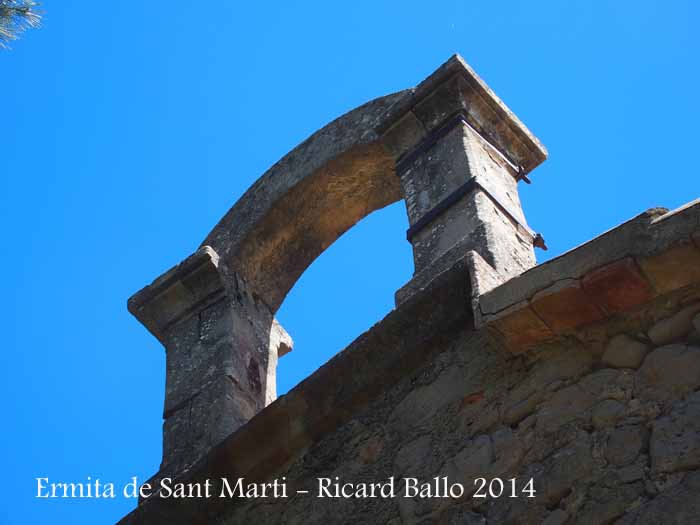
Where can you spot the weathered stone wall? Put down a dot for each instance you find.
(606, 432)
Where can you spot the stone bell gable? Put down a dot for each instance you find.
(580, 374)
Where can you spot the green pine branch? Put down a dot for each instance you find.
(15, 17)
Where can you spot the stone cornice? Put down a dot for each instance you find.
(455, 88)
(183, 290)
(653, 255)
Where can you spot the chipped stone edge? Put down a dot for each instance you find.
(641, 239)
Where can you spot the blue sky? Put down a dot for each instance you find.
(129, 128)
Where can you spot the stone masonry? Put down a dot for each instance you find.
(581, 374)
(222, 347)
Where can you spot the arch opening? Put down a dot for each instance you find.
(310, 217)
(214, 312)
(345, 291)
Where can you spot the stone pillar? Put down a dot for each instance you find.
(222, 346)
(460, 155)
(460, 193)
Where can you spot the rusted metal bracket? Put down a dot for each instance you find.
(521, 176)
(538, 242)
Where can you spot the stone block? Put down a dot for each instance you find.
(189, 432)
(176, 440)
(446, 100)
(562, 366)
(607, 413)
(615, 245)
(216, 322)
(476, 416)
(192, 369)
(618, 286)
(675, 328)
(420, 405)
(604, 504)
(454, 260)
(280, 341)
(675, 439)
(625, 443)
(474, 461)
(371, 450)
(510, 250)
(562, 470)
(411, 459)
(434, 174)
(565, 405)
(521, 328)
(633, 472)
(564, 306)
(556, 517)
(217, 411)
(482, 278)
(404, 135)
(679, 505)
(182, 291)
(508, 452)
(609, 383)
(624, 351)
(668, 373)
(519, 410)
(674, 268)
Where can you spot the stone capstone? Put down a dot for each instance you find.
(424, 402)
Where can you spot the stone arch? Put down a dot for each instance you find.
(307, 200)
(449, 147)
(348, 169)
